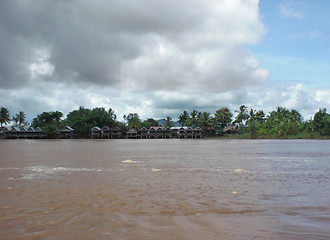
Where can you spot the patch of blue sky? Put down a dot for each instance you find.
(296, 45)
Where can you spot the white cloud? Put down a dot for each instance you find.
(160, 104)
(40, 65)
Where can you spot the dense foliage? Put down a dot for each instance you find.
(83, 119)
(248, 123)
(49, 122)
(4, 116)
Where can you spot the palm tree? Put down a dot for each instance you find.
(15, 119)
(184, 118)
(4, 116)
(222, 117)
(242, 115)
(168, 122)
(252, 123)
(21, 117)
(112, 114)
(260, 116)
(204, 121)
(193, 118)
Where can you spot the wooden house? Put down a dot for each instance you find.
(116, 132)
(106, 132)
(182, 132)
(144, 132)
(31, 132)
(132, 133)
(189, 132)
(39, 133)
(96, 132)
(152, 132)
(231, 129)
(156, 132)
(167, 133)
(198, 132)
(14, 132)
(23, 132)
(159, 132)
(66, 132)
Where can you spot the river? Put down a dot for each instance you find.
(164, 189)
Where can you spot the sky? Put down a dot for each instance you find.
(159, 58)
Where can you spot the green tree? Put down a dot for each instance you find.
(252, 124)
(222, 117)
(133, 121)
(47, 118)
(184, 119)
(283, 122)
(260, 116)
(15, 119)
(242, 115)
(49, 122)
(50, 130)
(19, 118)
(193, 120)
(294, 123)
(150, 122)
(322, 122)
(205, 121)
(83, 119)
(4, 116)
(101, 117)
(79, 120)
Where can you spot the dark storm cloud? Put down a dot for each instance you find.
(86, 41)
(143, 45)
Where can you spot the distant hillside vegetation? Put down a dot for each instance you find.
(161, 122)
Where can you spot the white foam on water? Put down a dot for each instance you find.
(156, 169)
(128, 161)
(45, 171)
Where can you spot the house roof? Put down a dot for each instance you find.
(23, 129)
(96, 128)
(5, 129)
(66, 129)
(38, 129)
(156, 128)
(106, 128)
(69, 128)
(31, 129)
(15, 129)
(132, 130)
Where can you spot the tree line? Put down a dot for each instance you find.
(247, 123)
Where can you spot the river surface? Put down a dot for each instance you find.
(165, 189)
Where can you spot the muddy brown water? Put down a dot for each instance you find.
(165, 189)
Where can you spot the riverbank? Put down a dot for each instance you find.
(247, 136)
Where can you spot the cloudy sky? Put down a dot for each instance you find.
(158, 58)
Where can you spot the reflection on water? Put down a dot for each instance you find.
(164, 189)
